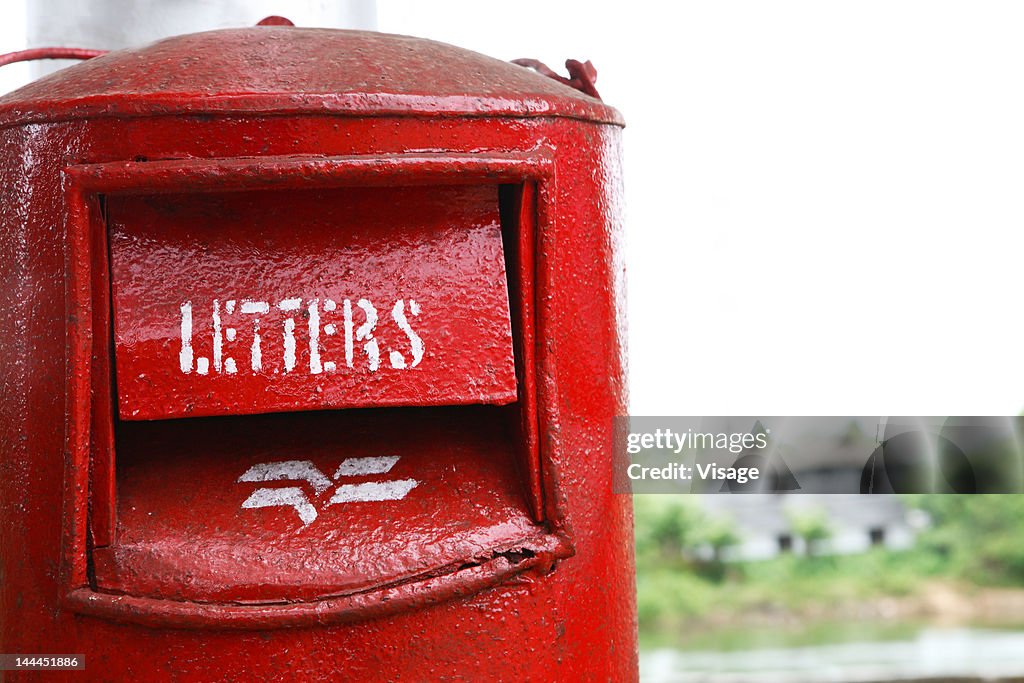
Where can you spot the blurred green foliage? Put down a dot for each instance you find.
(980, 538)
(683, 572)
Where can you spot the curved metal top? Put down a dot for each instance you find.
(287, 70)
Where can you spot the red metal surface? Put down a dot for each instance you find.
(440, 116)
(287, 70)
(275, 20)
(521, 206)
(582, 75)
(49, 53)
(184, 534)
(255, 302)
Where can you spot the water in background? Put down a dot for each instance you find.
(833, 653)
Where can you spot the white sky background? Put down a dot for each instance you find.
(825, 199)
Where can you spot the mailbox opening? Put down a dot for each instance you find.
(307, 505)
(212, 482)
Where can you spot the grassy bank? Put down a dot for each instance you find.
(787, 584)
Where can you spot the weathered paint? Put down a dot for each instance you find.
(511, 559)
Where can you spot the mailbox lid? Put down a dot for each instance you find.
(289, 70)
(257, 302)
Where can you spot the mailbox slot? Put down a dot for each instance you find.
(314, 458)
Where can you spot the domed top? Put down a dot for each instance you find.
(283, 69)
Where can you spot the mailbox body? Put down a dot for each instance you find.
(515, 558)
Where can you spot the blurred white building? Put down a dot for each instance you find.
(856, 523)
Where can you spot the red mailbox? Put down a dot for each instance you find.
(312, 345)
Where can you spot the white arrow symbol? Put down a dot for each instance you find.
(305, 470)
(354, 467)
(371, 491)
(288, 469)
(290, 496)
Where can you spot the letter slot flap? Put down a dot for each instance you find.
(257, 302)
